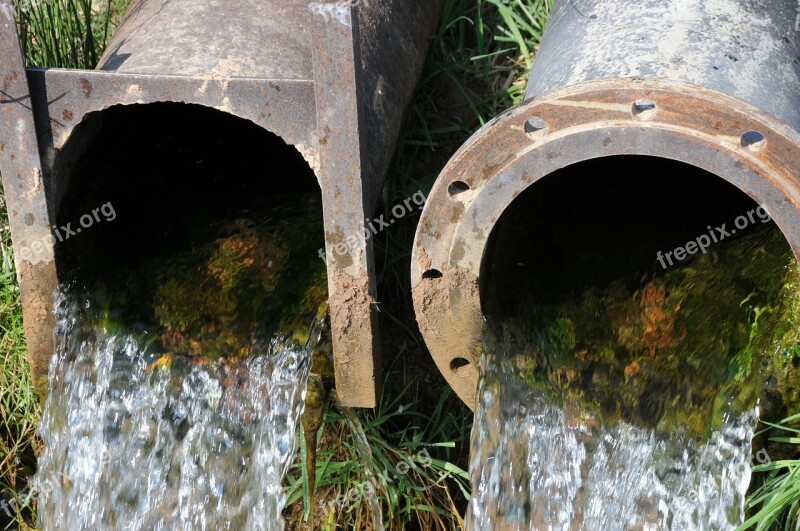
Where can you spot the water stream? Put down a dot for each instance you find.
(538, 466)
(134, 443)
(633, 406)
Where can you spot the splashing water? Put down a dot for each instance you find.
(130, 444)
(537, 466)
(634, 405)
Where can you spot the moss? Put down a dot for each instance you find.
(232, 284)
(673, 349)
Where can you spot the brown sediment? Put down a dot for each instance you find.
(446, 309)
(353, 332)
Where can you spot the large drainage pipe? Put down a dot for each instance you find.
(713, 85)
(331, 79)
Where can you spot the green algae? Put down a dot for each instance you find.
(675, 349)
(233, 283)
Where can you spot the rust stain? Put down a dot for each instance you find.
(658, 318)
(67, 114)
(355, 363)
(457, 212)
(86, 87)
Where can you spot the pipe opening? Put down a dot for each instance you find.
(169, 195)
(644, 288)
(591, 223)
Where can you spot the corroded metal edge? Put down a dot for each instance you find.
(691, 124)
(367, 59)
(24, 194)
(352, 289)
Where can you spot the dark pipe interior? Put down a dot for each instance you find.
(572, 270)
(604, 219)
(167, 169)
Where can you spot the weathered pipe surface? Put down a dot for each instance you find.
(333, 79)
(714, 84)
(747, 50)
(22, 182)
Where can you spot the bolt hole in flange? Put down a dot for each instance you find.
(457, 187)
(535, 128)
(458, 363)
(754, 141)
(432, 273)
(644, 109)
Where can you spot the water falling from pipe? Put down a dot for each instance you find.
(133, 444)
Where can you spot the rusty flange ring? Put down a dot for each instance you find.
(731, 139)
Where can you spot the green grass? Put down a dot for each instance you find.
(776, 503)
(66, 33)
(19, 406)
(407, 464)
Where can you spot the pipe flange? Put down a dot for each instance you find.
(755, 152)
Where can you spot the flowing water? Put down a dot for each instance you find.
(538, 466)
(634, 406)
(181, 368)
(131, 443)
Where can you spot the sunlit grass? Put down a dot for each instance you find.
(776, 503)
(408, 467)
(66, 33)
(19, 406)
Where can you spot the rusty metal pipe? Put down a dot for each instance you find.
(331, 78)
(715, 85)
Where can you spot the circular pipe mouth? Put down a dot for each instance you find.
(705, 133)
